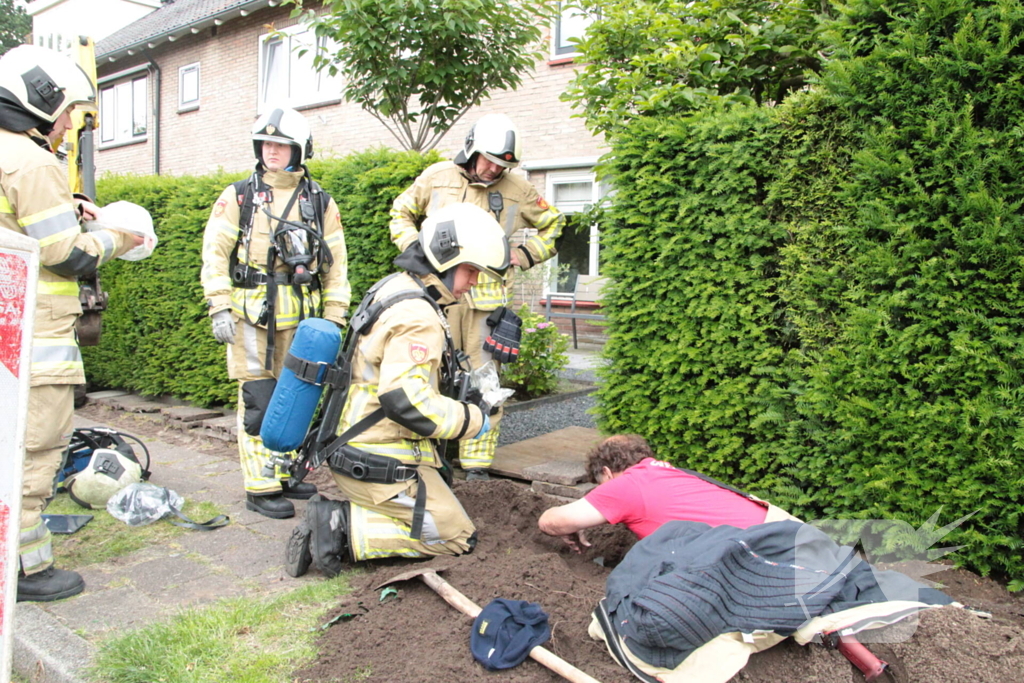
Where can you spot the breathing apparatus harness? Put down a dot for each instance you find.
(297, 244)
(321, 445)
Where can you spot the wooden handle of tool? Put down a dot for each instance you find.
(540, 654)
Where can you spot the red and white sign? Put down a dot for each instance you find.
(19, 268)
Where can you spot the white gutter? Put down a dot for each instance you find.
(218, 19)
(569, 162)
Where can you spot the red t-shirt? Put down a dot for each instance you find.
(652, 492)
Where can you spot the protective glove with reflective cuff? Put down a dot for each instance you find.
(223, 327)
(503, 341)
(486, 428)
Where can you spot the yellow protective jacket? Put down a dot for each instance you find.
(397, 366)
(223, 232)
(446, 183)
(35, 200)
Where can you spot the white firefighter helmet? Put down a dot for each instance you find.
(496, 137)
(108, 472)
(37, 85)
(465, 233)
(287, 127)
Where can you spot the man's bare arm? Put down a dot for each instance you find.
(570, 518)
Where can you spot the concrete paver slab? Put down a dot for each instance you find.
(99, 613)
(570, 444)
(190, 414)
(561, 491)
(200, 591)
(157, 576)
(133, 404)
(565, 472)
(98, 396)
(222, 428)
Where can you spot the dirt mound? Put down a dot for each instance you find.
(416, 637)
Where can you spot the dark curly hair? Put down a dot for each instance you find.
(618, 453)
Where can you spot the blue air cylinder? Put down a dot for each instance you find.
(294, 400)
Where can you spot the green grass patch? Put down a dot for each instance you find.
(240, 640)
(105, 538)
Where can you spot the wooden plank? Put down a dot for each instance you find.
(570, 444)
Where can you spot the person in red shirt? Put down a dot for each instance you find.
(643, 493)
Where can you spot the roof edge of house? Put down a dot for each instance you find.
(216, 19)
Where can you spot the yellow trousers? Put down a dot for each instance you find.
(469, 330)
(47, 434)
(246, 359)
(380, 521)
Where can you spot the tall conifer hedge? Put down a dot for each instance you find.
(822, 303)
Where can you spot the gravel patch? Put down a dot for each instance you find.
(543, 419)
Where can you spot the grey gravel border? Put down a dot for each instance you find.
(543, 400)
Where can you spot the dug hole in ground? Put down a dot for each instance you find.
(416, 637)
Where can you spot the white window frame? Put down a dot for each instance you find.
(569, 19)
(288, 41)
(555, 178)
(121, 100)
(183, 72)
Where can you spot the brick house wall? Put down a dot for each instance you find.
(215, 135)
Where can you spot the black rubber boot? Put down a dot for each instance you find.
(477, 474)
(273, 505)
(328, 524)
(298, 490)
(49, 584)
(297, 557)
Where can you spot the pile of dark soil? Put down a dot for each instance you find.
(416, 637)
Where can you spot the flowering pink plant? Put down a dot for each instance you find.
(541, 357)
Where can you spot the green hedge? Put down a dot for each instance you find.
(822, 303)
(693, 337)
(156, 333)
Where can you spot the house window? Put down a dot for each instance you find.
(571, 24)
(188, 87)
(288, 78)
(574, 192)
(123, 112)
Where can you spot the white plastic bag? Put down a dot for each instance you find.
(142, 504)
(485, 378)
(127, 217)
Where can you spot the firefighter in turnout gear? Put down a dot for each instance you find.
(480, 175)
(403, 364)
(38, 89)
(273, 254)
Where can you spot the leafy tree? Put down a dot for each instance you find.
(418, 65)
(15, 24)
(651, 57)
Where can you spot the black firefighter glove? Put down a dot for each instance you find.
(503, 341)
(475, 397)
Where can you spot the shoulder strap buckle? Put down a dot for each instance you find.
(313, 373)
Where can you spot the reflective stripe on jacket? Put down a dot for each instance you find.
(397, 366)
(446, 183)
(35, 201)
